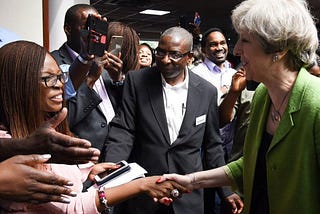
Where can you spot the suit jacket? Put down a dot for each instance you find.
(140, 134)
(293, 158)
(62, 55)
(86, 119)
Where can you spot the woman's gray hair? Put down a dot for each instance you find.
(280, 25)
(179, 32)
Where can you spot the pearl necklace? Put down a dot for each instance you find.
(275, 113)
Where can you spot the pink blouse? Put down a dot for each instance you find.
(84, 202)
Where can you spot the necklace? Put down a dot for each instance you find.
(275, 113)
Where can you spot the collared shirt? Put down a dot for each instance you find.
(69, 89)
(175, 99)
(72, 53)
(219, 78)
(68, 86)
(105, 105)
(215, 75)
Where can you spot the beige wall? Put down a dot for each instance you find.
(23, 17)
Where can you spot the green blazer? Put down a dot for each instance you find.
(293, 159)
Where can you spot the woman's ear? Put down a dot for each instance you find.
(281, 54)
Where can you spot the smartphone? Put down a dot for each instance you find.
(108, 175)
(97, 38)
(115, 45)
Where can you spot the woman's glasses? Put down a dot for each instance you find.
(52, 80)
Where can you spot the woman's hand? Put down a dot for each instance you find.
(183, 180)
(161, 190)
(114, 67)
(101, 167)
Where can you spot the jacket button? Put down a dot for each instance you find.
(103, 125)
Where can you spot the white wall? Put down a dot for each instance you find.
(57, 11)
(24, 17)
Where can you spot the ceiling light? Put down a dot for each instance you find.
(154, 12)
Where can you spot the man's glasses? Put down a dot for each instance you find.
(175, 56)
(52, 80)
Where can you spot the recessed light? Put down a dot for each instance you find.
(154, 12)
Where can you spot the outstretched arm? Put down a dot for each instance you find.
(205, 179)
(147, 185)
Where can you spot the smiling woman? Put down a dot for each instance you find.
(25, 71)
(51, 87)
(31, 92)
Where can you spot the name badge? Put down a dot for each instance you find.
(201, 119)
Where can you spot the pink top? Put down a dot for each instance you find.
(84, 202)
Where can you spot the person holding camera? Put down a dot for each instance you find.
(43, 84)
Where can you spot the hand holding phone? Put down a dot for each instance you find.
(108, 175)
(97, 38)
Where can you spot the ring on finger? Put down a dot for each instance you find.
(175, 193)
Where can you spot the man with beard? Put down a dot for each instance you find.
(168, 123)
(218, 71)
(215, 67)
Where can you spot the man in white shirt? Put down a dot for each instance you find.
(218, 71)
(215, 68)
(168, 123)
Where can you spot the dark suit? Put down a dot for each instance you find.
(140, 134)
(86, 119)
(62, 55)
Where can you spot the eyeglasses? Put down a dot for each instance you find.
(52, 80)
(175, 56)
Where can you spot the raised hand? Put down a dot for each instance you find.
(114, 67)
(20, 181)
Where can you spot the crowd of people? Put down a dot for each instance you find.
(210, 141)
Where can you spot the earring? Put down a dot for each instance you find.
(275, 58)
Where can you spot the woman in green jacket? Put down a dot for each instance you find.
(280, 168)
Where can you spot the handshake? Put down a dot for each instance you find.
(203, 179)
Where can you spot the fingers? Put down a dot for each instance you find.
(181, 188)
(44, 198)
(115, 62)
(42, 193)
(165, 177)
(235, 202)
(165, 200)
(31, 160)
(51, 182)
(75, 155)
(240, 205)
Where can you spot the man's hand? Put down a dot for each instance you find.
(20, 181)
(63, 148)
